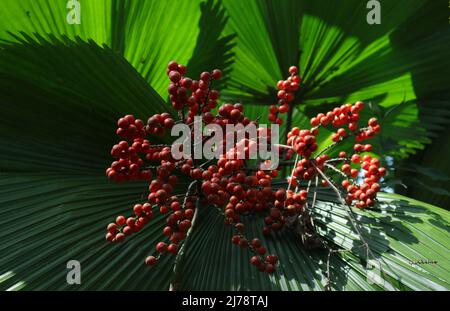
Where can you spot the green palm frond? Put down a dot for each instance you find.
(343, 59)
(400, 232)
(148, 34)
(62, 88)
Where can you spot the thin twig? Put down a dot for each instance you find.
(349, 212)
(283, 146)
(336, 170)
(188, 192)
(292, 174)
(328, 282)
(314, 199)
(174, 284)
(338, 160)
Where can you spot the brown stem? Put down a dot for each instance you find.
(174, 284)
(288, 129)
(348, 210)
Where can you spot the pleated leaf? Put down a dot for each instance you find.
(148, 34)
(59, 104)
(60, 98)
(344, 59)
(399, 231)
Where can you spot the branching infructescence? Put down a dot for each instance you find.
(228, 182)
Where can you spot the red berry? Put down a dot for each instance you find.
(120, 237)
(358, 147)
(346, 168)
(255, 260)
(186, 82)
(167, 231)
(240, 227)
(376, 187)
(130, 221)
(335, 137)
(235, 114)
(151, 261)
(123, 123)
(352, 126)
(161, 194)
(169, 123)
(112, 228)
(109, 237)
(280, 195)
(356, 158)
(243, 243)
(161, 247)
(359, 105)
(137, 209)
(373, 122)
(270, 268)
(174, 76)
(205, 76)
(262, 250)
(173, 249)
(127, 230)
(256, 243)
(172, 65)
(272, 259)
(216, 74)
(281, 94)
(367, 148)
(182, 69)
(293, 70)
(284, 108)
(196, 173)
(120, 220)
(315, 121)
(235, 239)
(345, 183)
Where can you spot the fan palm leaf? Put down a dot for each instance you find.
(63, 86)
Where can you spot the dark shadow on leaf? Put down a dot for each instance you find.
(213, 49)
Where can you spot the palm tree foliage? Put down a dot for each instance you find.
(64, 86)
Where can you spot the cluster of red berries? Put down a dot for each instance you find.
(122, 227)
(303, 141)
(373, 129)
(158, 123)
(231, 114)
(346, 114)
(366, 192)
(229, 183)
(264, 264)
(128, 165)
(197, 95)
(130, 128)
(286, 91)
